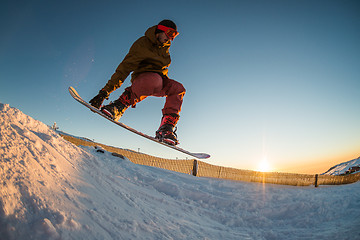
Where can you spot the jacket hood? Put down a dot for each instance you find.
(150, 34)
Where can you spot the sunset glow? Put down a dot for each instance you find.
(264, 166)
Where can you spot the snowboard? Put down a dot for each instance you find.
(77, 97)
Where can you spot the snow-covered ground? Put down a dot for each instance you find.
(343, 167)
(51, 189)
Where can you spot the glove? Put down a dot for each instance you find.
(99, 99)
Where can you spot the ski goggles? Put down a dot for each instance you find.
(170, 32)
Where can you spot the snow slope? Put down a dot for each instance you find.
(51, 189)
(343, 167)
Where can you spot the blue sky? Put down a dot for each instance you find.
(275, 80)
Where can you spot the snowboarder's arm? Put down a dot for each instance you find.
(129, 64)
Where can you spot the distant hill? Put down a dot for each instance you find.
(349, 167)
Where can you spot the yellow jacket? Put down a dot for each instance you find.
(147, 54)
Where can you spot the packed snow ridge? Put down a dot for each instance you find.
(52, 189)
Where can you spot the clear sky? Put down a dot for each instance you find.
(275, 80)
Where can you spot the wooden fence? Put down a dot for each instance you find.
(202, 169)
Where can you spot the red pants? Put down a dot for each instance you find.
(152, 84)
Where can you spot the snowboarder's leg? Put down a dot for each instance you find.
(144, 85)
(174, 92)
(152, 84)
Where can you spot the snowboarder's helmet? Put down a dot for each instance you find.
(168, 23)
(169, 27)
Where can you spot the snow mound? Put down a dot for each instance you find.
(344, 167)
(51, 189)
(38, 170)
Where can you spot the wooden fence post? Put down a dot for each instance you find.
(195, 168)
(316, 180)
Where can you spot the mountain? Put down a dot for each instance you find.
(52, 189)
(351, 166)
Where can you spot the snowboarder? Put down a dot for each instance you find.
(148, 59)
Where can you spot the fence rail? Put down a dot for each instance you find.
(202, 169)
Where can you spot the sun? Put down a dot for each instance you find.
(263, 165)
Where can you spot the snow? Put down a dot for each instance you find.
(343, 167)
(52, 189)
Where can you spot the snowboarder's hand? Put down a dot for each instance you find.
(99, 99)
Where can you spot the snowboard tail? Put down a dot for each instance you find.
(77, 97)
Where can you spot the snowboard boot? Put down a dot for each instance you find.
(167, 130)
(117, 108)
(114, 110)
